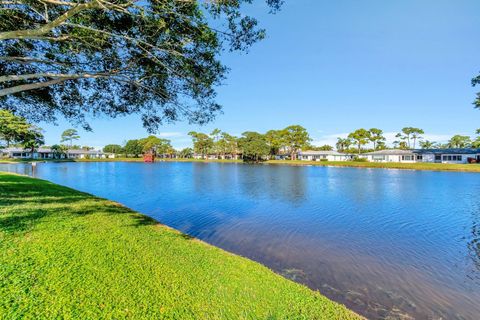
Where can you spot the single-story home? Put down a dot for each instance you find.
(423, 155)
(310, 155)
(452, 155)
(47, 153)
(392, 155)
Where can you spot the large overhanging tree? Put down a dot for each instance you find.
(157, 58)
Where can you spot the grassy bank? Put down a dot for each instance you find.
(67, 254)
(387, 165)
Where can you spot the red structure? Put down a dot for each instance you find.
(148, 157)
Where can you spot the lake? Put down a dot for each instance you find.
(386, 243)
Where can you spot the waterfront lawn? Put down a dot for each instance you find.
(474, 167)
(67, 254)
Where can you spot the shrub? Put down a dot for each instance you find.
(323, 159)
(358, 159)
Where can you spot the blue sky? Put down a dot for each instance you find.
(334, 66)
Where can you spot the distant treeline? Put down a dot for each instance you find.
(285, 142)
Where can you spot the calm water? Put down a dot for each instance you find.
(387, 243)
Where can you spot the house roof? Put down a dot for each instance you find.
(47, 150)
(449, 151)
(322, 152)
(390, 152)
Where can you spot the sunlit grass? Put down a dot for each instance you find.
(69, 255)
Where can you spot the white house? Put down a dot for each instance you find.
(423, 155)
(47, 153)
(448, 155)
(324, 156)
(392, 155)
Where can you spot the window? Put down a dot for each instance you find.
(453, 158)
(378, 158)
(438, 157)
(407, 158)
(419, 157)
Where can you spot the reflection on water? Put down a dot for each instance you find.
(387, 243)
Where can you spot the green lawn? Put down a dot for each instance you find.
(387, 165)
(70, 255)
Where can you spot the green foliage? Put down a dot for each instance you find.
(133, 147)
(459, 141)
(202, 143)
(13, 129)
(254, 146)
(343, 144)
(325, 147)
(475, 82)
(113, 148)
(428, 144)
(159, 59)
(275, 140)
(360, 137)
(409, 135)
(58, 150)
(376, 137)
(70, 255)
(33, 139)
(359, 159)
(69, 135)
(155, 145)
(295, 138)
(186, 153)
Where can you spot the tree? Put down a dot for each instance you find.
(133, 147)
(254, 146)
(155, 145)
(113, 148)
(376, 137)
(58, 150)
(202, 143)
(186, 153)
(295, 138)
(115, 57)
(216, 134)
(428, 144)
(343, 144)
(12, 128)
(33, 139)
(325, 147)
(476, 81)
(226, 144)
(360, 137)
(410, 134)
(70, 135)
(459, 141)
(476, 142)
(275, 140)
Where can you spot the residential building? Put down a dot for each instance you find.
(47, 153)
(310, 155)
(424, 155)
(393, 155)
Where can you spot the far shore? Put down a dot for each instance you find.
(355, 164)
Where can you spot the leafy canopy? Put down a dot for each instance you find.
(156, 58)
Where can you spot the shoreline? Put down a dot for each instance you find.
(121, 263)
(421, 166)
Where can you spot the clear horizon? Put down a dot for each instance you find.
(337, 67)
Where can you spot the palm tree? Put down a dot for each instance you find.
(343, 144)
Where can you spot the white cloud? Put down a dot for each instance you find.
(170, 134)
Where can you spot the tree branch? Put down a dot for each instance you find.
(46, 28)
(53, 75)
